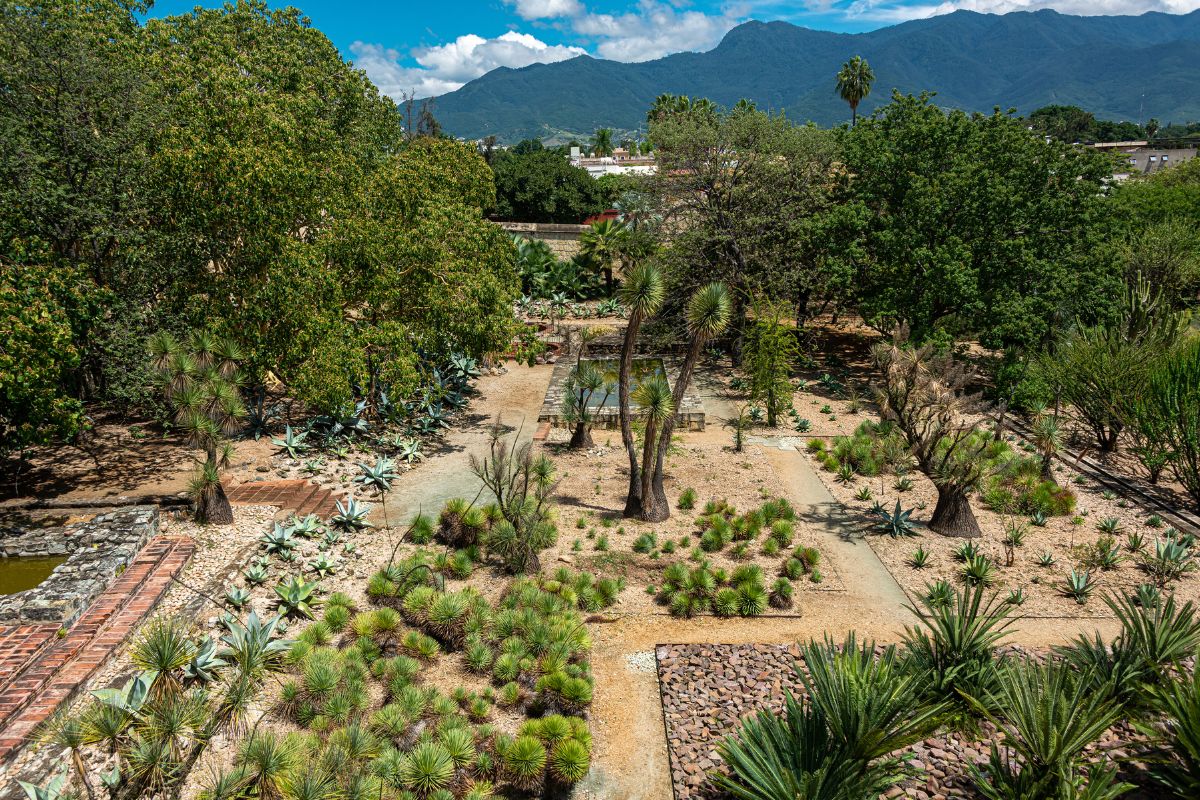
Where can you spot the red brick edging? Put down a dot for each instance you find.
(42, 671)
(298, 495)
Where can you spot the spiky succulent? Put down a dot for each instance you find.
(351, 516)
(204, 664)
(297, 597)
(292, 443)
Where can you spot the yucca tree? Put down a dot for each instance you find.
(854, 81)
(70, 732)
(642, 293)
(654, 399)
(1048, 439)
(201, 384)
(584, 385)
(603, 244)
(708, 313)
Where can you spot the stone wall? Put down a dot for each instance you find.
(563, 239)
(100, 549)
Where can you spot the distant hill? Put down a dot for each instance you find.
(1118, 68)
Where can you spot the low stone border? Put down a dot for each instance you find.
(691, 410)
(99, 550)
(708, 688)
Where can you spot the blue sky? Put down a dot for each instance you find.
(433, 47)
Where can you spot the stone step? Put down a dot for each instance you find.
(64, 668)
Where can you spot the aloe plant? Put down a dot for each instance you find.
(292, 443)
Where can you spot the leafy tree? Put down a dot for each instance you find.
(936, 194)
(750, 187)
(1101, 369)
(201, 383)
(1168, 413)
(771, 354)
(1167, 255)
(542, 186)
(1170, 194)
(854, 81)
(40, 307)
(924, 394)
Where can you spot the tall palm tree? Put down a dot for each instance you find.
(708, 313)
(854, 84)
(642, 293)
(602, 143)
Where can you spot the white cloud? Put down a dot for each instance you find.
(653, 30)
(546, 9)
(884, 11)
(446, 67)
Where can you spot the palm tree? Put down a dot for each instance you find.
(201, 385)
(1151, 128)
(602, 144)
(602, 243)
(642, 293)
(854, 83)
(708, 314)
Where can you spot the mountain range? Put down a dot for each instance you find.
(1117, 67)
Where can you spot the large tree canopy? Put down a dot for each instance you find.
(973, 224)
(535, 184)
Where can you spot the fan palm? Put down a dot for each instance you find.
(603, 244)
(854, 84)
(642, 292)
(602, 142)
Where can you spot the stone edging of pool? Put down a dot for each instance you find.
(97, 551)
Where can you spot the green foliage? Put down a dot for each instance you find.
(534, 184)
(896, 524)
(770, 353)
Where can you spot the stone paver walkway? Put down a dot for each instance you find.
(44, 671)
(300, 496)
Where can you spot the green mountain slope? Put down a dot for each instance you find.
(1117, 67)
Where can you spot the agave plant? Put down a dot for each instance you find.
(307, 527)
(238, 597)
(1171, 560)
(1079, 586)
(351, 516)
(896, 524)
(408, 450)
(252, 645)
(978, 571)
(292, 443)
(278, 540)
(205, 663)
(919, 558)
(378, 477)
(297, 597)
(323, 565)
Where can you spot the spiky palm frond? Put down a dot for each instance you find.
(642, 290)
(709, 311)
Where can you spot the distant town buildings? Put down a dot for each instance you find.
(1143, 158)
(619, 163)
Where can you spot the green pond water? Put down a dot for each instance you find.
(19, 574)
(640, 370)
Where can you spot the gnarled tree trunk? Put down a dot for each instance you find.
(214, 509)
(581, 438)
(952, 516)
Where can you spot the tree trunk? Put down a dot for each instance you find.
(582, 437)
(952, 516)
(633, 499)
(214, 508)
(654, 506)
(1048, 468)
(668, 428)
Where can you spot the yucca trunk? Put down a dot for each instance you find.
(655, 469)
(633, 500)
(952, 516)
(654, 507)
(581, 437)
